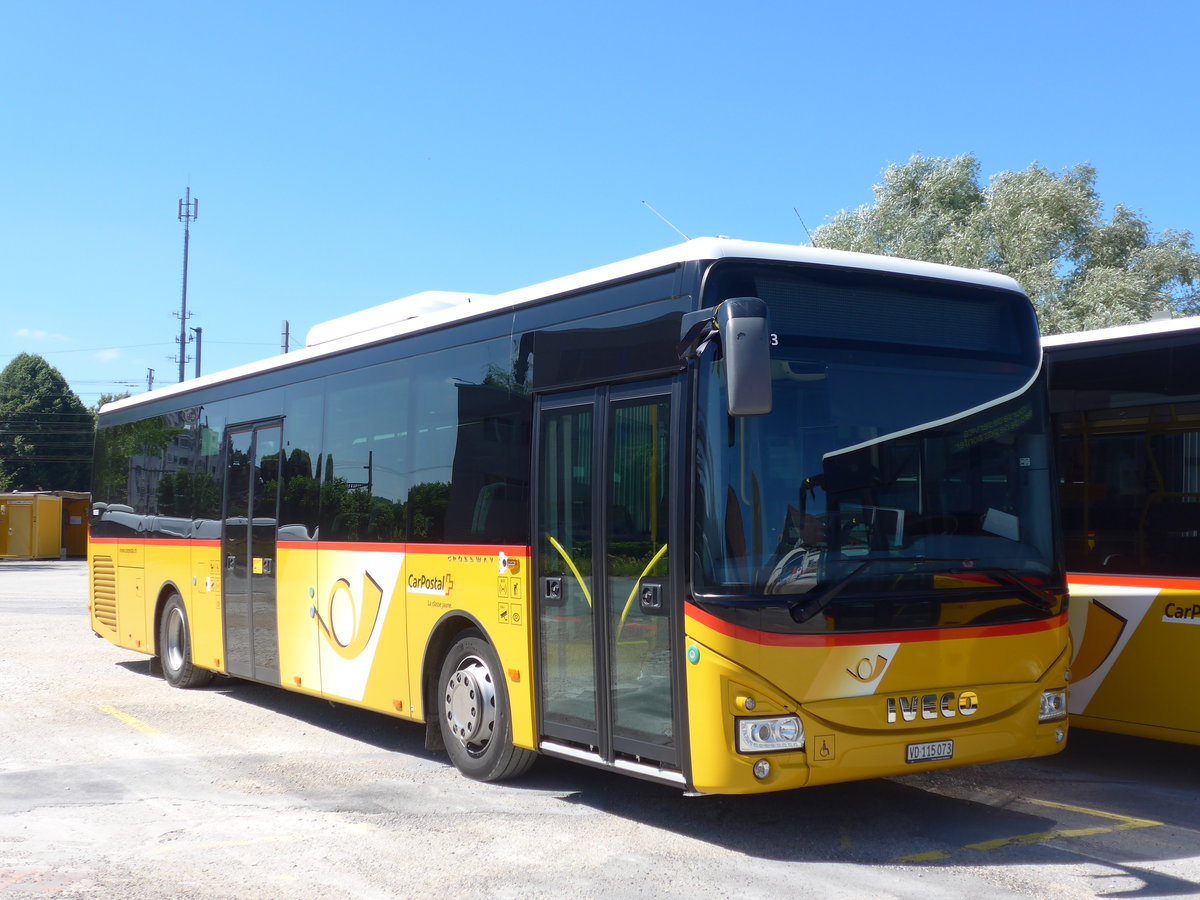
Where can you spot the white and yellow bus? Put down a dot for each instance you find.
(729, 516)
(1126, 412)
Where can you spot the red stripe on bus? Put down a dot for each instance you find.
(443, 549)
(1159, 582)
(949, 633)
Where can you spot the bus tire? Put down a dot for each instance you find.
(473, 712)
(175, 647)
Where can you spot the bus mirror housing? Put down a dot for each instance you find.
(746, 341)
(740, 326)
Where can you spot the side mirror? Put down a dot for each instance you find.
(746, 342)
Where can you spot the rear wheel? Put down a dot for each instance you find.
(474, 715)
(175, 647)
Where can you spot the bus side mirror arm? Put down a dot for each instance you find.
(740, 326)
(694, 331)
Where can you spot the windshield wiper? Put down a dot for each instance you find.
(1029, 595)
(802, 611)
(810, 606)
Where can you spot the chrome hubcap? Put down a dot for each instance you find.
(173, 651)
(470, 704)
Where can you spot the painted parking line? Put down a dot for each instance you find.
(131, 721)
(1117, 822)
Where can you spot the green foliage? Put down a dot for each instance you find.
(349, 511)
(109, 398)
(190, 495)
(45, 430)
(116, 451)
(1045, 229)
(427, 505)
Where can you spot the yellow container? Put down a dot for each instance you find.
(75, 511)
(30, 526)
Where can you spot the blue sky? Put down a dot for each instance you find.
(348, 154)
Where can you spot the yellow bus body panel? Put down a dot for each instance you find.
(1136, 644)
(296, 603)
(840, 691)
(202, 597)
(354, 622)
(128, 581)
(492, 588)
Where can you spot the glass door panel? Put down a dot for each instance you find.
(566, 620)
(606, 614)
(248, 550)
(264, 529)
(235, 553)
(637, 570)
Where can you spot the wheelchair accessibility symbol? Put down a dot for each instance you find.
(824, 747)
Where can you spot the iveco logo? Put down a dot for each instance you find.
(932, 706)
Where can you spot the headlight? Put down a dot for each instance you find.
(1053, 706)
(765, 735)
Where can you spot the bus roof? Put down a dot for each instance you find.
(1122, 332)
(433, 309)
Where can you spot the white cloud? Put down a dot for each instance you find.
(37, 334)
(106, 355)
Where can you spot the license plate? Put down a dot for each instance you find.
(930, 751)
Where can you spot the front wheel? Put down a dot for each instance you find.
(175, 647)
(474, 714)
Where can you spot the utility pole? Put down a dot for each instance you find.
(199, 334)
(285, 337)
(188, 210)
(149, 379)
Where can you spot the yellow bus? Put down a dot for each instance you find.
(1126, 414)
(730, 516)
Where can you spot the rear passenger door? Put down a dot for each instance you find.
(253, 484)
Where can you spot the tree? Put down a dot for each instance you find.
(45, 430)
(1045, 229)
(108, 398)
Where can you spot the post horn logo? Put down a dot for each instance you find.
(867, 671)
(348, 621)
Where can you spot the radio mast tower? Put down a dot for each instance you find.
(187, 214)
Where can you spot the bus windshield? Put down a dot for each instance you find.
(904, 467)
